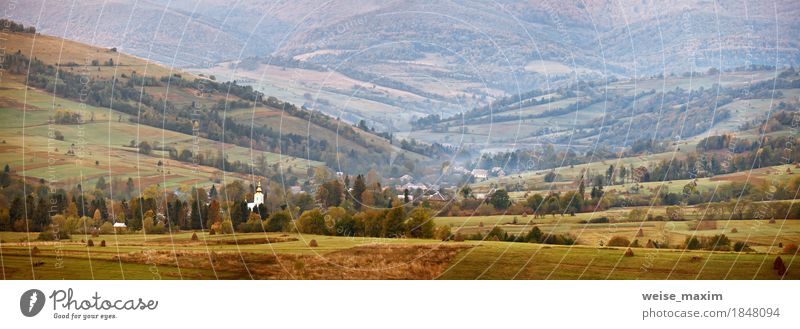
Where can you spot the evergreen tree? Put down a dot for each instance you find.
(41, 216)
(130, 186)
(5, 177)
(101, 184)
(17, 210)
(359, 187)
(213, 192)
(262, 211)
(196, 220)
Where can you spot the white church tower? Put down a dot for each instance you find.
(258, 198)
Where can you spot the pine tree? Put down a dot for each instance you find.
(213, 192)
(16, 211)
(130, 186)
(41, 216)
(359, 187)
(196, 222)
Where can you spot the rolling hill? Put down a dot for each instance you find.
(122, 114)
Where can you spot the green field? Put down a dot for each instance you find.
(288, 255)
(100, 145)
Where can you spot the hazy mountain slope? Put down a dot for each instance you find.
(146, 93)
(402, 60)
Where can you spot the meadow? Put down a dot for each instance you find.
(101, 145)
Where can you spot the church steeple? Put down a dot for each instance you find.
(258, 197)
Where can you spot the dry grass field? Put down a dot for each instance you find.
(291, 256)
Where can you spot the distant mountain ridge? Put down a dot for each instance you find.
(392, 62)
(600, 35)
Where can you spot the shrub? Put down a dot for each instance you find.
(740, 246)
(498, 233)
(442, 232)
(312, 222)
(90, 243)
(629, 253)
(216, 227)
(734, 230)
(103, 243)
(674, 213)
(253, 224)
(278, 222)
(106, 228)
(212, 232)
(558, 239)
(147, 225)
(226, 227)
(194, 236)
(692, 243)
(35, 250)
(618, 241)
(718, 242)
(637, 215)
(486, 209)
(420, 224)
(777, 263)
(313, 243)
(347, 226)
(49, 235)
(779, 266)
(790, 248)
(534, 235)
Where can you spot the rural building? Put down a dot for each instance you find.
(118, 227)
(403, 197)
(480, 173)
(438, 197)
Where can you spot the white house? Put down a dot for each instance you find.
(258, 198)
(415, 186)
(120, 227)
(403, 197)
